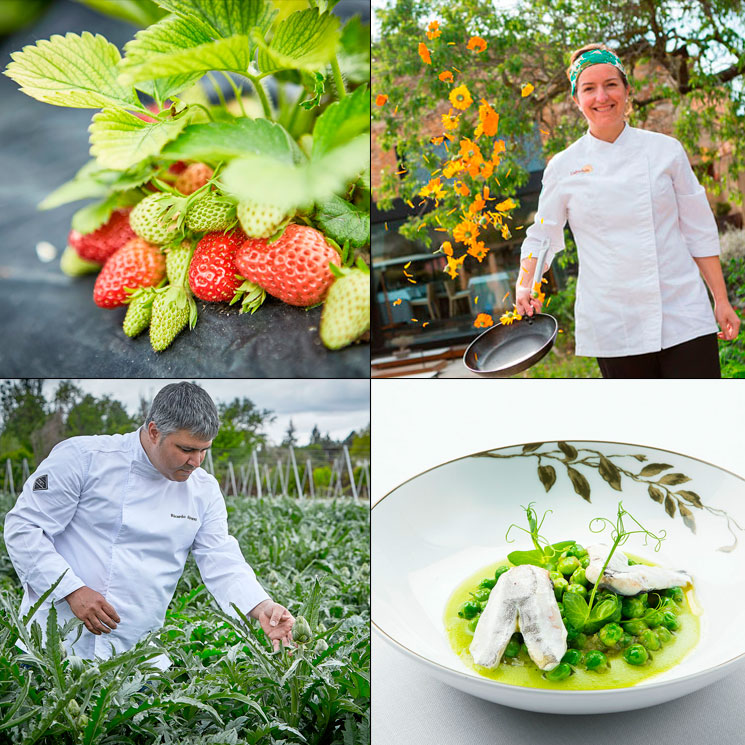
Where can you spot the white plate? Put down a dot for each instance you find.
(435, 530)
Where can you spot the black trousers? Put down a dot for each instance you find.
(697, 358)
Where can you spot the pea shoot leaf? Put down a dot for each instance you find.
(526, 557)
(228, 140)
(120, 139)
(305, 40)
(71, 70)
(575, 610)
(342, 221)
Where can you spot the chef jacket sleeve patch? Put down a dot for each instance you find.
(41, 483)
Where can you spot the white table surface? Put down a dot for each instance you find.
(418, 424)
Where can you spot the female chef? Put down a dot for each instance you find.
(645, 235)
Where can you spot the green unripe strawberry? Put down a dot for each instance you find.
(210, 213)
(173, 308)
(73, 266)
(178, 258)
(139, 311)
(262, 220)
(156, 219)
(346, 312)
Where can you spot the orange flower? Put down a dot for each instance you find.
(477, 205)
(466, 231)
(488, 121)
(453, 264)
(474, 167)
(506, 232)
(397, 302)
(446, 77)
(487, 169)
(381, 99)
(476, 44)
(451, 168)
(478, 250)
(433, 30)
(510, 316)
(507, 205)
(469, 150)
(424, 54)
(447, 248)
(449, 121)
(498, 148)
(527, 89)
(433, 189)
(437, 140)
(460, 97)
(483, 321)
(462, 189)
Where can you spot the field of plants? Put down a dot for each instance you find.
(225, 685)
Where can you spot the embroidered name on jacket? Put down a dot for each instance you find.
(584, 169)
(41, 483)
(188, 517)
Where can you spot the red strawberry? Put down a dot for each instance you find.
(101, 243)
(193, 177)
(294, 268)
(136, 264)
(212, 273)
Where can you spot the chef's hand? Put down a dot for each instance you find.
(93, 610)
(728, 321)
(527, 305)
(276, 621)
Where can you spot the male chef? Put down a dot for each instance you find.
(119, 514)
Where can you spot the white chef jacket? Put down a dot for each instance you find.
(99, 509)
(638, 216)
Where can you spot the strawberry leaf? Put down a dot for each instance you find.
(120, 139)
(132, 11)
(342, 221)
(75, 71)
(341, 122)
(306, 40)
(225, 17)
(93, 216)
(226, 140)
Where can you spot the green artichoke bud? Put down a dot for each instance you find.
(321, 646)
(82, 721)
(301, 632)
(73, 708)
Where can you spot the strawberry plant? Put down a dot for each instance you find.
(225, 683)
(169, 165)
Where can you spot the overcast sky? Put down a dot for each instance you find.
(337, 406)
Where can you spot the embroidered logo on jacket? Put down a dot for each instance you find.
(41, 483)
(188, 517)
(584, 169)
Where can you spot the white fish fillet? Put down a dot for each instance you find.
(525, 593)
(630, 580)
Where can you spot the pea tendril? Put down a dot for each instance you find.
(620, 535)
(534, 526)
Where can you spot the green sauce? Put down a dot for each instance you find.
(522, 671)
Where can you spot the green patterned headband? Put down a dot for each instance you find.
(593, 57)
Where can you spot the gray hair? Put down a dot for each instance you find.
(184, 406)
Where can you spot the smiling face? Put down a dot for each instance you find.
(175, 455)
(601, 97)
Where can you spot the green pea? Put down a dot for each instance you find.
(500, 571)
(577, 550)
(650, 640)
(670, 621)
(580, 641)
(625, 641)
(584, 562)
(481, 595)
(469, 609)
(550, 566)
(595, 659)
(668, 604)
(561, 672)
(560, 586)
(663, 634)
(635, 627)
(473, 623)
(512, 649)
(561, 608)
(632, 608)
(568, 565)
(653, 618)
(579, 589)
(610, 634)
(676, 593)
(572, 657)
(553, 576)
(578, 577)
(488, 583)
(636, 654)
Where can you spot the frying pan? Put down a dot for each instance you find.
(502, 351)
